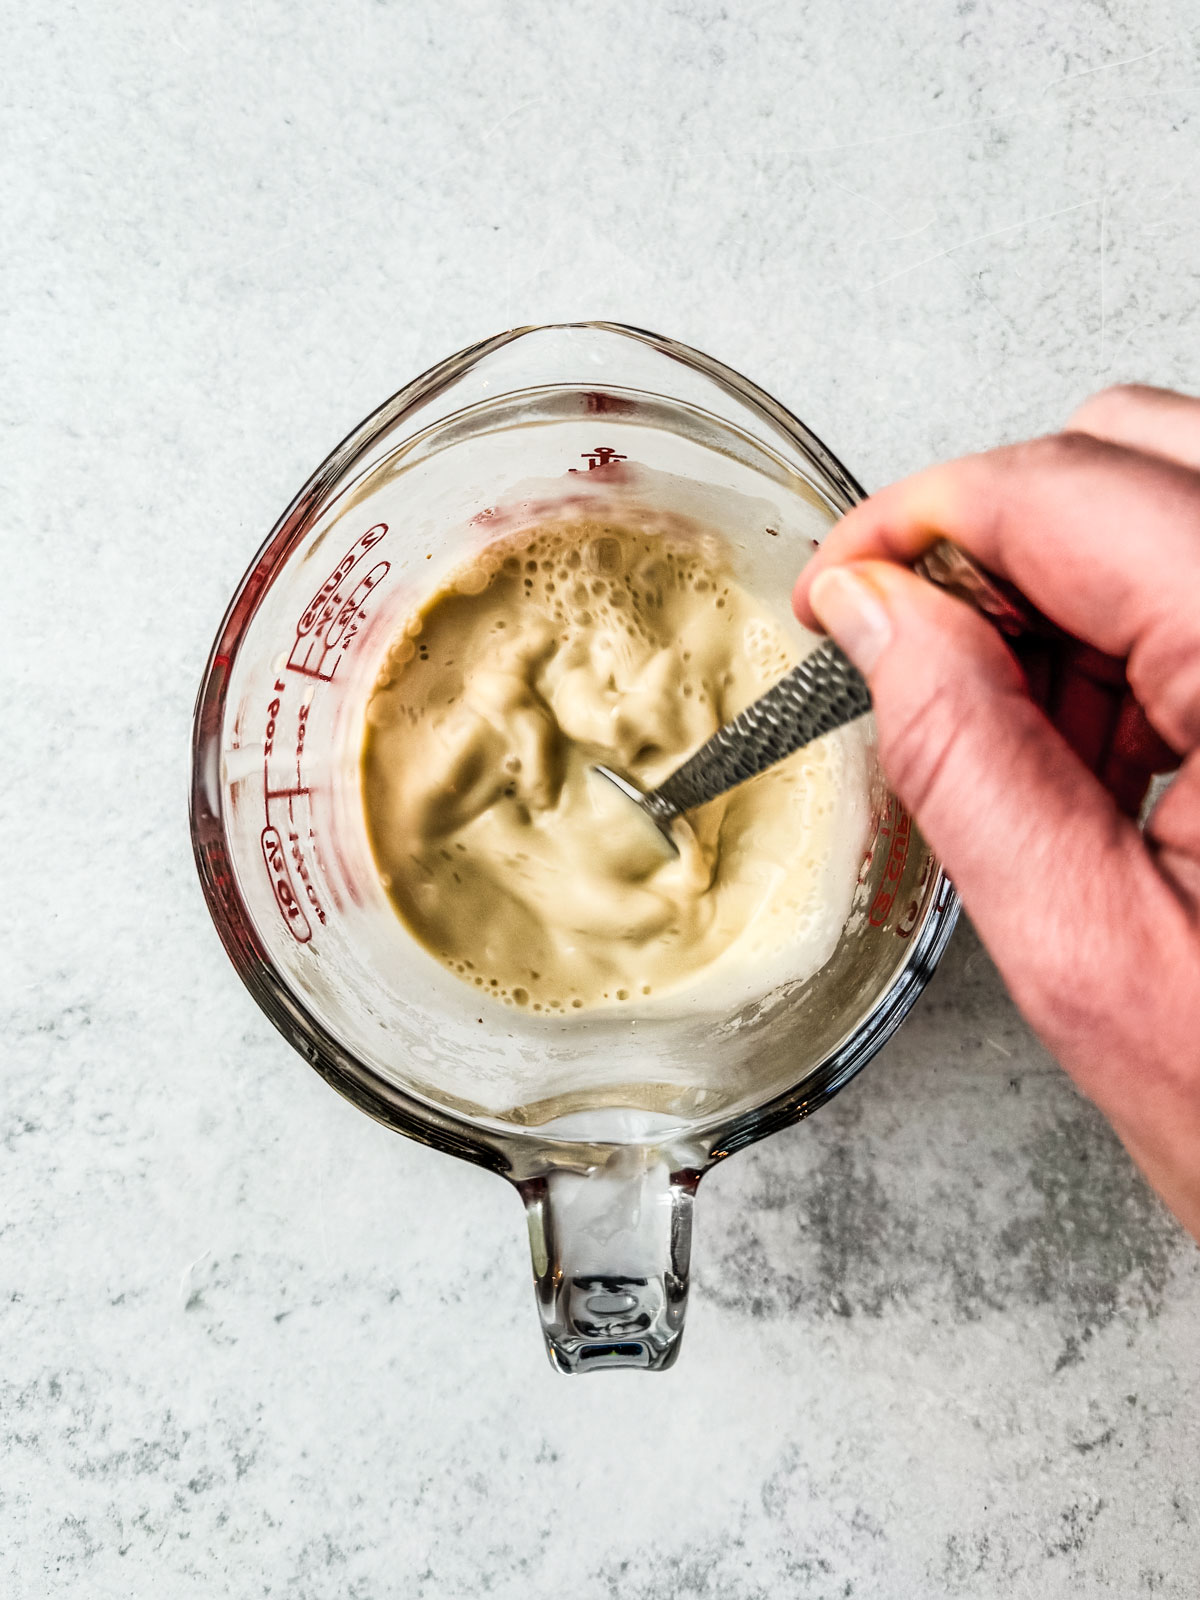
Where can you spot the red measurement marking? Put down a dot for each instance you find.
(912, 911)
(331, 619)
(882, 814)
(344, 625)
(601, 404)
(351, 559)
(306, 876)
(269, 731)
(325, 631)
(281, 882)
(898, 824)
(602, 456)
(291, 791)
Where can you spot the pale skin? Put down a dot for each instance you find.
(1094, 925)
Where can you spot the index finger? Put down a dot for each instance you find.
(1104, 540)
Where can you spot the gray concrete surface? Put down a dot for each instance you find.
(943, 1341)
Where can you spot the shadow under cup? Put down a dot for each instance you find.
(605, 1120)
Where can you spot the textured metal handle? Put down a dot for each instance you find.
(824, 692)
(1005, 607)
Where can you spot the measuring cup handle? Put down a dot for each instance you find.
(611, 1252)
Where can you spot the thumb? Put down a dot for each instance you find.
(1036, 848)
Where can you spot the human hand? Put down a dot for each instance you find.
(1094, 925)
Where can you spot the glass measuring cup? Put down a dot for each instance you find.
(605, 1122)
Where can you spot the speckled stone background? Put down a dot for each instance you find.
(942, 1341)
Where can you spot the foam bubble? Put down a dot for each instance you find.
(636, 590)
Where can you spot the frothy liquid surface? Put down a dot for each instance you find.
(533, 879)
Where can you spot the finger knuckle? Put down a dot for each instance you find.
(1050, 457)
(1109, 405)
(1064, 452)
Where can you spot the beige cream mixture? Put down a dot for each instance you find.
(532, 878)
